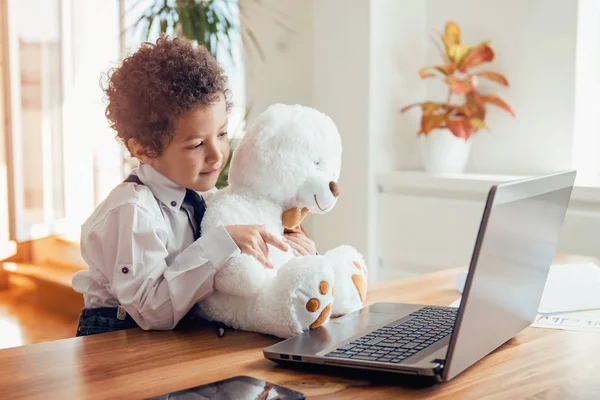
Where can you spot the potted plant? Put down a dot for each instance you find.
(447, 127)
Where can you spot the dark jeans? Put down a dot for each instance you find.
(104, 319)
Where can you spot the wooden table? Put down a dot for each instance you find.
(536, 364)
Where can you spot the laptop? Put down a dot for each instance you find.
(518, 234)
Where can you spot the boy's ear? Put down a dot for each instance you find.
(139, 151)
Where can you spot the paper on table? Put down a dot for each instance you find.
(455, 303)
(572, 287)
(577, 321)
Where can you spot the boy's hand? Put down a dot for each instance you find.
(253, 239)
(300, 244)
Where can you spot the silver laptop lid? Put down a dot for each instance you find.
(513, 253)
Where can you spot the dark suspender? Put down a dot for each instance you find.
(133, 179)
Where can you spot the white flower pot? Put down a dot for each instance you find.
(444, 153)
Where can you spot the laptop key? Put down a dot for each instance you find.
(409, 345)
(390, 345)
(347, 347)
(375, 341)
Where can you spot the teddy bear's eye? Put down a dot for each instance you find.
(318, 162)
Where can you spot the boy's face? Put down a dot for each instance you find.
(199, 150)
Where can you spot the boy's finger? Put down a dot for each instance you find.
(293, 239)
(301, 239)
(298, 248)
(273, 240)
(263, 247)
(298, 244)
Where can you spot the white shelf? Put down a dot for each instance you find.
(586, 190)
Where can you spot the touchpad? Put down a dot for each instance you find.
(368, 319)
(377, 314)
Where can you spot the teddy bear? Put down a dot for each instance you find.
(286, 166)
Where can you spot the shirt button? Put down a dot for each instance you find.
(173, 203)
(125, 270)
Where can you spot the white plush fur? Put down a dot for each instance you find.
(287, 159)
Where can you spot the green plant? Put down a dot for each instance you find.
(212, 23)
(466, 118)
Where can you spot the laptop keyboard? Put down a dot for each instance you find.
(398, 341)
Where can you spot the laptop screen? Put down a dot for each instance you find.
(513, 253)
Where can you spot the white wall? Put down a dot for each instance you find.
(284, 30)
(341, 90)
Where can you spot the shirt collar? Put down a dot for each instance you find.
(165, 190)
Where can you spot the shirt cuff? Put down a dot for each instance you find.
(218, 246)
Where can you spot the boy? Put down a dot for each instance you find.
(148, 261)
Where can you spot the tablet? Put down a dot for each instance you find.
(237, 387)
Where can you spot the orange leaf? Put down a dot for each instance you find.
(493, 76)
(498, 102)
(445, 69)
(459, 86)
(452, 33)
(431, 122)
(477, 55)
(461, 128)
(477, 123)
(458, 52)
(474, 106)
(408, 107)
(430, 107)
(426, 72)
(475, 98)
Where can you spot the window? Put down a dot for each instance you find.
(33, 87)
(62, 156)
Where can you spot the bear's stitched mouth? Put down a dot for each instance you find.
(326, 208)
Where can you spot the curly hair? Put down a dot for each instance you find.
(156, 85)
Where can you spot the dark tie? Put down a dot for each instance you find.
(197, 202)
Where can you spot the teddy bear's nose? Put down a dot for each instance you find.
(335, 188)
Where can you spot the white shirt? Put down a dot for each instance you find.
(141, 253)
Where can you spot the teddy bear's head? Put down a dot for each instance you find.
(292, 155)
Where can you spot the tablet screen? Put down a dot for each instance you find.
(238, 387)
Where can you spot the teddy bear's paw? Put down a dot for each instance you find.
(313, 297)
(350, 279)
(313, 305)
(360, 280)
